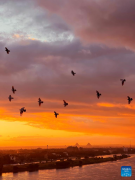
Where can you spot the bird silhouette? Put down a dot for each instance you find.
(55, 114)
(13, 89)
(65, 103)
(7, 50)
(39, 101)
(129, 99)
(73, 73)
(10, 98)
(22, 110)
(123, 80)
(98, 94)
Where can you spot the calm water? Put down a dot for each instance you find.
(102, 171)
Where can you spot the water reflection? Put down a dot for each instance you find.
(102, 171)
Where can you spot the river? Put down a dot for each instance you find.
(102, 171)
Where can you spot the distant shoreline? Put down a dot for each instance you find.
(61, 147)
(58, 165)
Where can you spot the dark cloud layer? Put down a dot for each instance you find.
(44, 69)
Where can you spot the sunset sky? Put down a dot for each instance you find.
(48, 39)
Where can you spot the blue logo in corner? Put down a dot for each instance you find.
(126, 171)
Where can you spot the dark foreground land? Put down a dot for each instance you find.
(35, 159)
(58, 165)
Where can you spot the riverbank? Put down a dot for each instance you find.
(58, 165)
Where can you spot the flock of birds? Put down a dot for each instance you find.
(65, 103)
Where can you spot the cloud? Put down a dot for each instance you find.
(37, 23)
(107, 22)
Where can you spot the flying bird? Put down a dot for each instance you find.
(7, 50)
(10, 98)
(98, 94)
(55, 114)
(129, 100)
(22, 110)
(39, 100)
(123, 80)
(65, 103)
(13, 89)
(73, 73)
